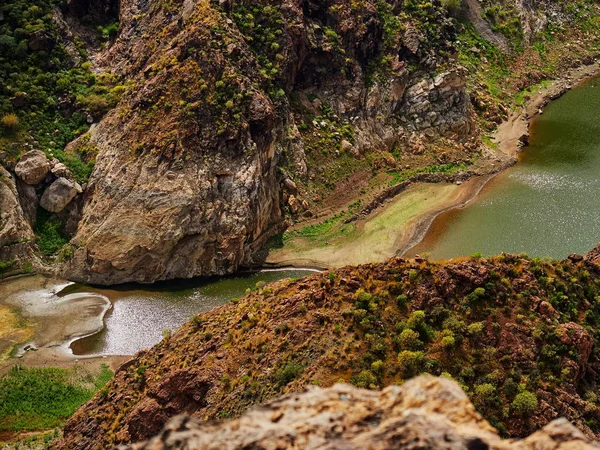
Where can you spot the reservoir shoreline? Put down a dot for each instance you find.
(510, 139)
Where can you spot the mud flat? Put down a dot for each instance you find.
(377, 238)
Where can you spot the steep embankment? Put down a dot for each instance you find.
(519, 335)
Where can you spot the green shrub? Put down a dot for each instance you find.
(410, 362)
(288, 373)
(365, 379)
(409, 340)
(475, 328)
(525, 404)
(48, 228)
(452, 5)
(6, 265)
(485, 392)
(448, 342)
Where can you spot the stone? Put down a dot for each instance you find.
(294, 204)
(427, 413)
(346, 146)
(59, 170)
(33, 167)
(59, 195)
(290, 186)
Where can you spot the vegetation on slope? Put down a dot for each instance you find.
(518, 334)
(47, 89)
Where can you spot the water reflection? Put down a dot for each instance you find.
(140, 314)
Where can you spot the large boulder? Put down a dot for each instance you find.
(426, 413)
(59, 195)
(33, 167)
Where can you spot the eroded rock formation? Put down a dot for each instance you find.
(426, 413)
(186, 181)
(16, 235)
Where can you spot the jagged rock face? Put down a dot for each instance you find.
(15, 229)
(185, 184)
(500, 327)
(426, 413)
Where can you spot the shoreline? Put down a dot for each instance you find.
(51, 325)
(510, 137)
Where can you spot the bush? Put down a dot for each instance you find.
(365, 379)
(485, 392)
(10, 122)
(525, 403)
(409, 340)
(288, 373)
(49, 230)
(452, 5)
(410, 362)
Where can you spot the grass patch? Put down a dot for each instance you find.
(322, 232)
(445, 169)
(40, 399)
(49, 230)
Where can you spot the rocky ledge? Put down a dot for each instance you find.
(425, 413)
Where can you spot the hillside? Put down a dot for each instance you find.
(181, 135)
(519, 335)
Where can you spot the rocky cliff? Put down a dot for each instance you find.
(426, 413)
(187, 179)
(16, 235)
(225, 118)
(519, 335)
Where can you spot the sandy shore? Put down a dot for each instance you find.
(510, 133)
(403, 221)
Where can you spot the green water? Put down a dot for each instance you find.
(548, 204)
(140, 314)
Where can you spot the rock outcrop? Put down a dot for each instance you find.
(514, 332)
(200, 193)
(16, 235)
(425, 413)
